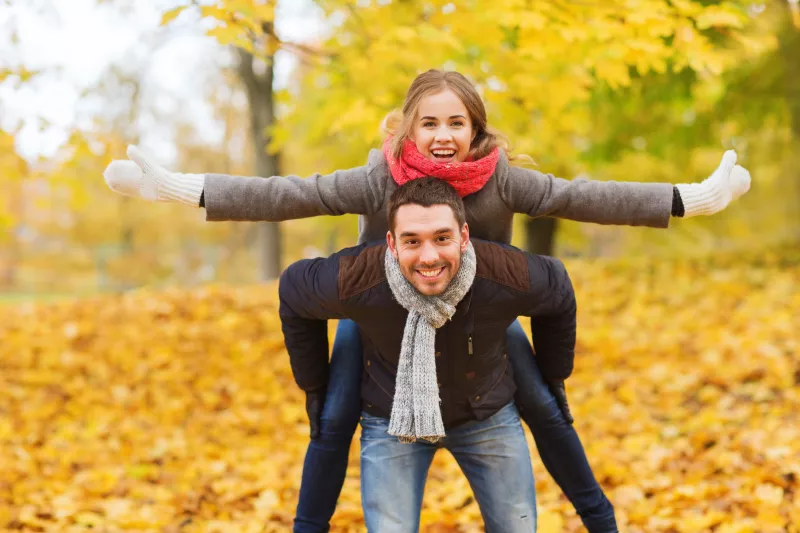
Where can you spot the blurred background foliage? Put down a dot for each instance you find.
(636, 90)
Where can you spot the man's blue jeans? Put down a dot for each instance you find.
(559, 446)
(492, 454)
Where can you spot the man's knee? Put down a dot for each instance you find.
(515, 518)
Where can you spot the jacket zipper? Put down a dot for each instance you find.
(469, 345)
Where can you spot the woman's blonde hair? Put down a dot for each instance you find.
(400, 124)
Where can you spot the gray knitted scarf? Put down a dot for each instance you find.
(415, 411)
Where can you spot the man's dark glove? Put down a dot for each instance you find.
(315, 400)
(560, 392)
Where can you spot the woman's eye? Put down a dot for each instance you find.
(458, 124)
(428, 125)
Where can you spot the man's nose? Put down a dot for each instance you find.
(428, 254)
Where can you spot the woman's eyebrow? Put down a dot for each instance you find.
(434, 118)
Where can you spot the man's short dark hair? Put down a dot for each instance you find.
(426, 192)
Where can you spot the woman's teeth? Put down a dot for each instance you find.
(430, 273)
(444, 153)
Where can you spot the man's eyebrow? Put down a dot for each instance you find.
(437, 232)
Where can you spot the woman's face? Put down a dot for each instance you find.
(443, 129)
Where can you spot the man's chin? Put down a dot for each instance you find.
(430, 290)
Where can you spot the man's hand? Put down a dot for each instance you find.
(560, 392)
(315, 401)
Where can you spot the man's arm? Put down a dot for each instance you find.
(552, 308)
(308, 293)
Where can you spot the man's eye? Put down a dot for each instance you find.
(411, 243)
(443, 239)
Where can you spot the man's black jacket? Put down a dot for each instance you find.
(475, 379)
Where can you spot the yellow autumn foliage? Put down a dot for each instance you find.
(176, 411)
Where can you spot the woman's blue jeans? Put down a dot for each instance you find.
(559, 446)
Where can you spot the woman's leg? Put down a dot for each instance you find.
(559, 446)
(325, 465)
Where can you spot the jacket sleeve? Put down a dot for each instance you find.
(603, 202)
(308, 294)
(357, 190)
(552, 307)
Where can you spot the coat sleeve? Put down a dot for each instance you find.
(603, 202)
(308, 294)
(357, 190)
(552, 307)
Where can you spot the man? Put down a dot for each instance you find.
(433, 309)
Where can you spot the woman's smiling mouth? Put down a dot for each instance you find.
(444, 154)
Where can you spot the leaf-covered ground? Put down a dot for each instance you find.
(176, 411)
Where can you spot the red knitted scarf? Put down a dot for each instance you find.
(467, 177)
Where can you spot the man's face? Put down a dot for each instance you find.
(428, 244)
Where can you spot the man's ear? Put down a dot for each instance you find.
(464, 237)
(391, 243)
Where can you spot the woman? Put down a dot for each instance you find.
(442, 132)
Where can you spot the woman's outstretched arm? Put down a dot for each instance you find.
(623, 203)
(356, 190)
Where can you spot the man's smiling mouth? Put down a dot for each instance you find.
(430, 273)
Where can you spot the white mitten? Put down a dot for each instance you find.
(713, 194)
(141, 178)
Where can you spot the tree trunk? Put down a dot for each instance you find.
(10, 260)
(789, 50)
(540, 235)
(258, 87)
(127, 230)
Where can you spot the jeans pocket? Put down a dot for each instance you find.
(507, 415)
(374, 429)
(373, 420)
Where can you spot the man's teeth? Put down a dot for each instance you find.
(430, 273)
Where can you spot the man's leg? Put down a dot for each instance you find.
(494, 456)
(392, 478)
(325, 465)
(559, 445)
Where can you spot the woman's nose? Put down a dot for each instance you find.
(443, 133)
